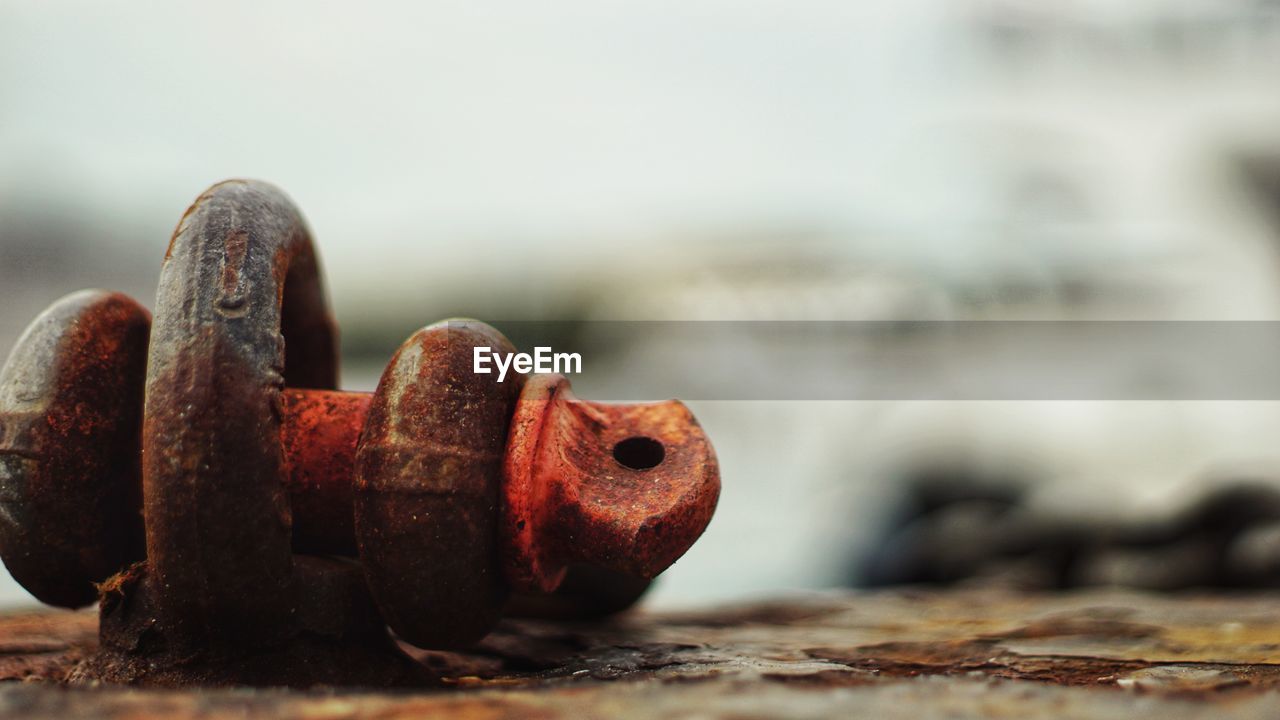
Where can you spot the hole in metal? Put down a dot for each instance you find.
(639, 453)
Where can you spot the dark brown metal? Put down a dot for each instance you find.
(70, 405)
(221, 599)
(335, 637)
(239, 285)
(587, 592)
(428, 475)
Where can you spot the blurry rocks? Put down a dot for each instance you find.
(956, 529)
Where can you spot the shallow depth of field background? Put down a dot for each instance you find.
(703, 160)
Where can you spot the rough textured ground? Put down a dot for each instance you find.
(885, 655)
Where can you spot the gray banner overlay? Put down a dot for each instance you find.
(916, 360)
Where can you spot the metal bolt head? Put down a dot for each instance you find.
(70, 415)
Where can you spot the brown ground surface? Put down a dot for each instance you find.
(884, 655)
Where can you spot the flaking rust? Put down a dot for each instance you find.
(907, 654)
(70, 410)
(319, 436)
(288, 523)
(432, 447)
(635, 510)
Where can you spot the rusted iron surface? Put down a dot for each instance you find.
(319, 432)
(428, 472)
(615, 526)
(221, 598)
(319, 436)
(257, 499)
(623, 487)
(70, 408)
(587, 592)
(335, 637)
(885, 654)
(217, 519)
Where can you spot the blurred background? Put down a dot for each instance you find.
(803, 160)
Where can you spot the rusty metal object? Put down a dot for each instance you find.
(634, 509)
(335, 637)
(239, 295)
(319, 433)
(221, 599)
(618, 547)
(239, 475)
(432, 448)
(587, 592)
(70, 405)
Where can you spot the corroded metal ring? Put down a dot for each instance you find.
(428, 471)
(70, 409)
(240, 312)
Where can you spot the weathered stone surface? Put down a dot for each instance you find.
(885, 654)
